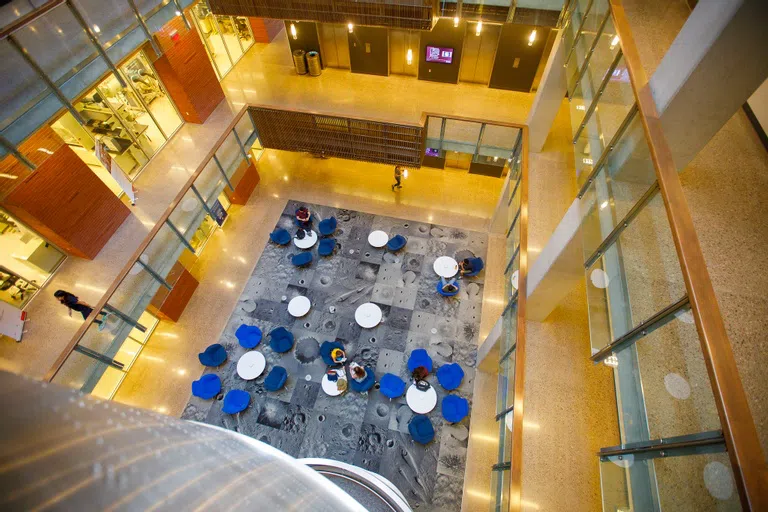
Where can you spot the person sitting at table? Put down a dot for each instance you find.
(420, 373)
(303, 216)
(338, 356)
(358, 372)
(448, 286)
(466, 266)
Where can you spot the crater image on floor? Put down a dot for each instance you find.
(368, 430)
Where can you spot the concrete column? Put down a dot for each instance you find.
(549, 97)
(714, 65)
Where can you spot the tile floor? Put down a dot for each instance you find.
(366, 430)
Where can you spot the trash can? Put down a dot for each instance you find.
(300, 62)
(313, 63)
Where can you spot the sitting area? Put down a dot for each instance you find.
(281, 340)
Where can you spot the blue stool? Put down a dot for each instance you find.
(326, 247)
(439, 288)
(366, 384)
(327, 226)
(325, 351)
(450, 375)
(207, 387)
(396, 243)
(419, 357)
(276, 379)
(477, 265)
(280, 236)
(235, 401)
(455, 408)
(213, 356)
(421, 429)
(281, 340)
(249, 336)
(392, 386)
(302, 259)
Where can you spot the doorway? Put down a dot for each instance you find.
(479, 53)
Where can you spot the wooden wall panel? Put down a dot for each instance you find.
(355, 139)
(187, 72)
(37, 148)
(169, 305)
(68, 204)
(412, 14)
(245, 179)
(265, 29)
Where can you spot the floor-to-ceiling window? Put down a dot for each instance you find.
(226, 38)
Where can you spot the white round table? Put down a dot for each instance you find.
(368, 315)
(445, 266)
(331, 388)
(378, 238)
(308, 241)
(421, 402)
(299, 306)
(251, 365)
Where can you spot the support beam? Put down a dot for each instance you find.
(549, 97)
(714, 65)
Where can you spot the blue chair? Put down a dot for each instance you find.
(280, 236)
(249, 336)
(326, 247)
(281, 340)
(450, 375)
(213, 356)
(235, 401)
(207, 387)
(419, 357)
(455, 408)
(325, 351)
(327, 226)
(477, 265)
(421, 429)
(396, 243)
(391, 386)
(366, 384)
(302, 259)
(439, 289)
(276, 379)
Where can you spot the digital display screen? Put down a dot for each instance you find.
(432, 152)
(441, 55)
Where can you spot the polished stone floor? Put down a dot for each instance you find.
(368, 430)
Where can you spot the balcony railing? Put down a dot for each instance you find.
(408, 14)
(684, 421)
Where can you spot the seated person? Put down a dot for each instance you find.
(358, 372)
(338, 356)
(420, 373)
(303, 216)
(448, 286)
(465, 266)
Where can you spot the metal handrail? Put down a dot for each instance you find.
(744, 448)
(140, 250)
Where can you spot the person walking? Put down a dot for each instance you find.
(73, 303)
(398, 177)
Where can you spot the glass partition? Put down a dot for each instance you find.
(106, 351)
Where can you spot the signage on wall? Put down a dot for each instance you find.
(441, 55)
(218, 213)
(115, 170)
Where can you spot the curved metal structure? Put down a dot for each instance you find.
(373, 491)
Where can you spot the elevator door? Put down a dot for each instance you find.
(479, 53)
(334, 45)
(400, 41)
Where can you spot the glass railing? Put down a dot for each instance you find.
(513, 206)
(673, 450)
(52, 60)
(102, 353)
